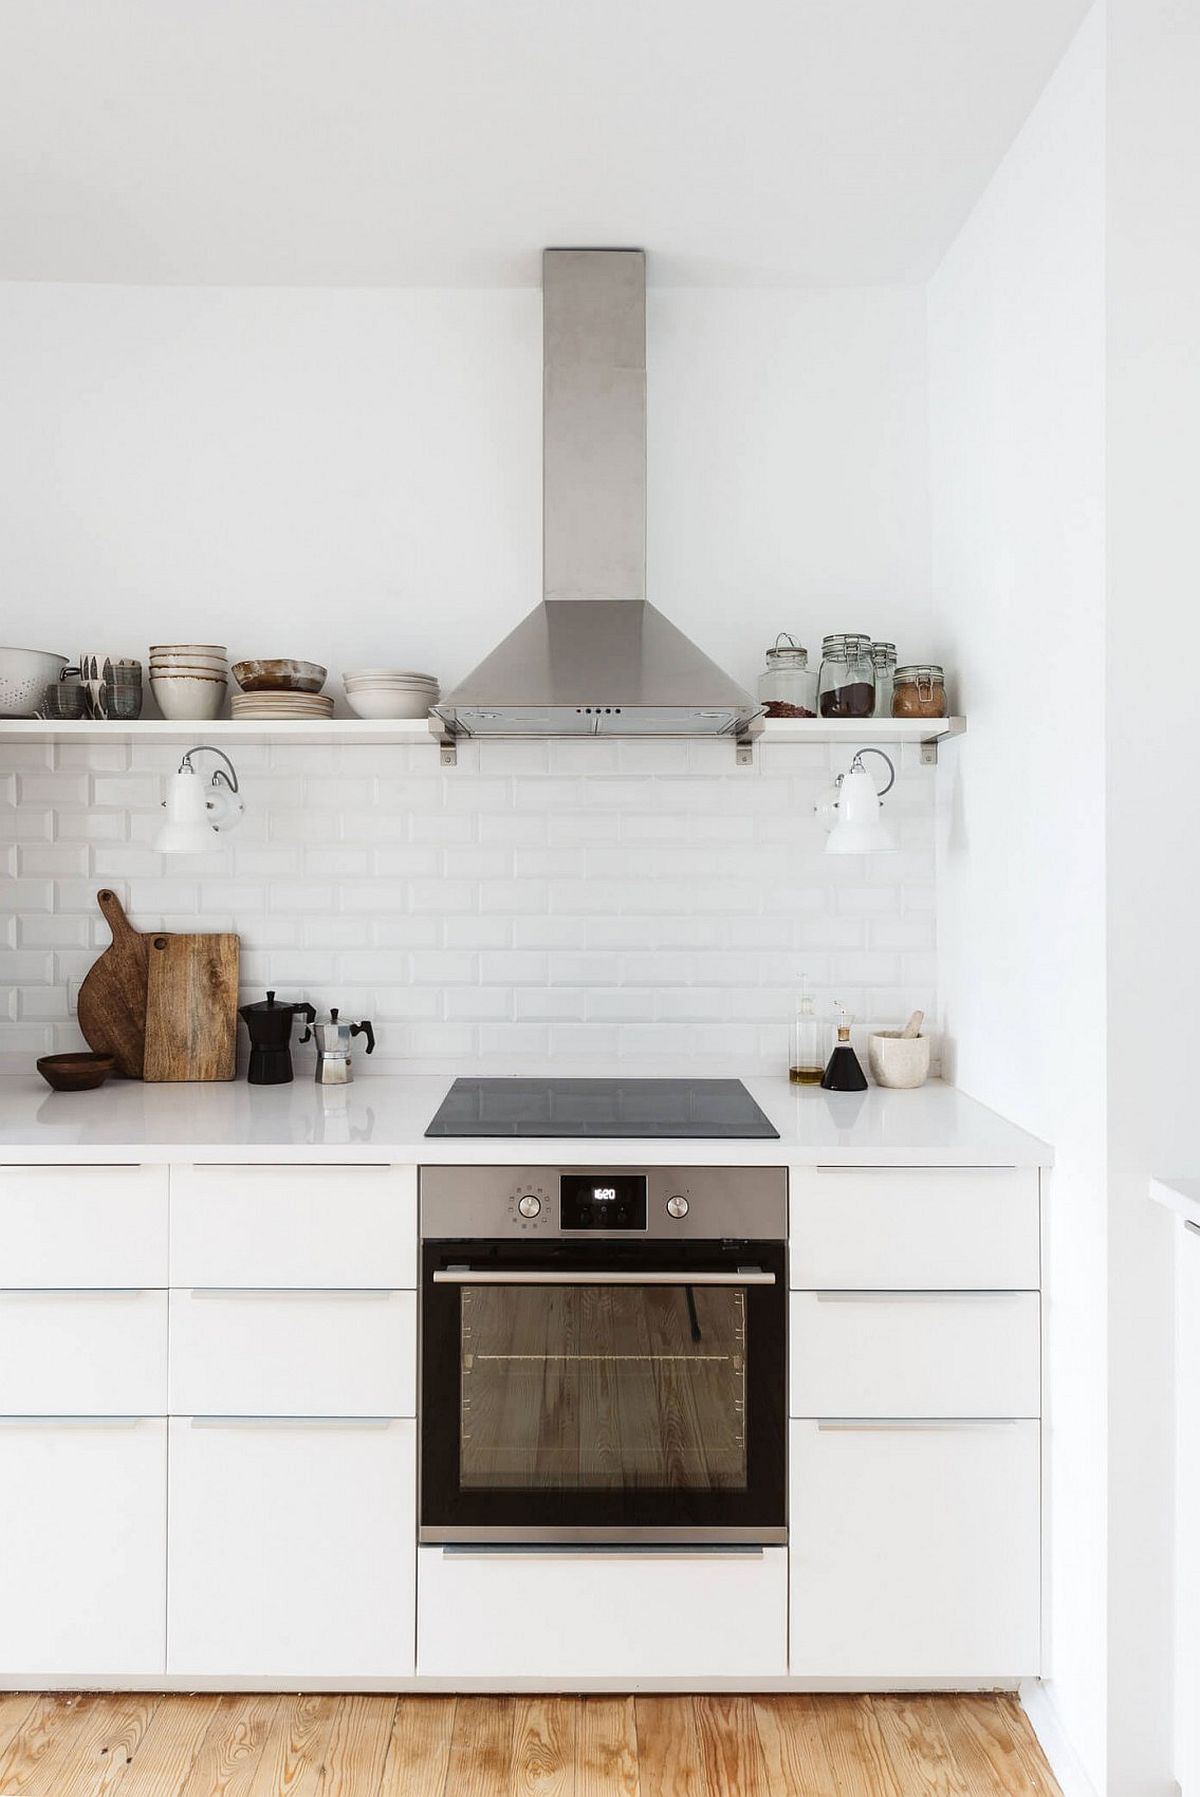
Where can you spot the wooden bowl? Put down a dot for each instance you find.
(279, 676)
(75, 1072)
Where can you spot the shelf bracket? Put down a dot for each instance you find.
(449, 752)
(929, 747)
(744, 751)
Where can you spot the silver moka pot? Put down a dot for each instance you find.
(333, 1049)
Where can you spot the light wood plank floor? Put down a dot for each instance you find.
(356, 1746)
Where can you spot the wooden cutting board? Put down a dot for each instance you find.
(111, 1007)
(191, 1007)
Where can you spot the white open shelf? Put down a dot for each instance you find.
(369, 731)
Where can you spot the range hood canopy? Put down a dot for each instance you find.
(594, 659)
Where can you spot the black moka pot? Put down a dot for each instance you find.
(270, 1027)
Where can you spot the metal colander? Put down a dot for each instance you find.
(24, 676)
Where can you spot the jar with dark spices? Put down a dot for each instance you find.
(788, 687)
(920, 691)
(883, 655)
(847, 688)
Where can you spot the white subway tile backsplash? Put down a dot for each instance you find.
(514, 967)
(51, 858)
(584, 899)
(405, 861)
(540, 931)
(549, 1004)
(59, 792)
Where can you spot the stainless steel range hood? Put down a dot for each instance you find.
(594, 659)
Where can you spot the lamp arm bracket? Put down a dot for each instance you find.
(220, 777)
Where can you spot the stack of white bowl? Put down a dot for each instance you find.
(189, 679)
(390, 693)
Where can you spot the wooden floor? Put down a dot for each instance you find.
(355, 1746)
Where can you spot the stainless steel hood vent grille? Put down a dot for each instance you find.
(594, 659)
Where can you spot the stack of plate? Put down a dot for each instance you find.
(273, 705)
(390, 693)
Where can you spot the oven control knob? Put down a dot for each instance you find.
(677, 1206)
(529, 1206)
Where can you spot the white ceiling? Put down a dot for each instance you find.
(443, 142)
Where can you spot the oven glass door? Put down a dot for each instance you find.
(603, 1391)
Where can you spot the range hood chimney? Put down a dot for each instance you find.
(594, 658)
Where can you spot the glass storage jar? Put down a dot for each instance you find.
(788, 687)
(883, 655)
(920, 691)
(847, 677)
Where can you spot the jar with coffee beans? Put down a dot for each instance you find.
(847, 686)
(919, 691)
(788, 686)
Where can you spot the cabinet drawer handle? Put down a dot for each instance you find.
(943, 1167)
(72, 1422)
(1194, 1227)
(534, 1276)
(912, 1297)
(290, 1167)
(591, 1550)
(290, 1422)
(77, 1291)
(846, 1425)
(285, 1291)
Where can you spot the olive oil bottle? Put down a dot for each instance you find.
(807, 1057)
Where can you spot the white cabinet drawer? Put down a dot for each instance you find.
(929, 1227)
(575, 1614)
(246, 1352)
(83, 1226)
(888, 1354)
(83, 1513)
(302, 1226)
(83, 1353)
(915, 1550)
(292, 1549)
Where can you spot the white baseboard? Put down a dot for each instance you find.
(1054, 1742)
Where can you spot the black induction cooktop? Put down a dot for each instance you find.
(662, 1108)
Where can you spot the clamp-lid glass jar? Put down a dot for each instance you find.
(919, 691)
(788, 687)
(883, 655)
(847, 677)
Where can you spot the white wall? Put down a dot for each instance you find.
(1154, 842)
(1016, 359)
(356, 476)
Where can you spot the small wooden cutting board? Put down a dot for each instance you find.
(111, 1008)
(191, 1007)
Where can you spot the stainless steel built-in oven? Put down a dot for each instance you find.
(603, 1354)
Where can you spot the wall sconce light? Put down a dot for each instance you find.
(196, 808)
(850, 809)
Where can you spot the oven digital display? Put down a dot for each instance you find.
(603, 1200)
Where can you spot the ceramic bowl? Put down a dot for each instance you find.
(189, 648)
(75, 1072)
(184, 696)
(279, 676)
(188, 658)
(897, 1061)
(389, 702)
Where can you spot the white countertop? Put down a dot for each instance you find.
(384, 1117)
(1180, 1195)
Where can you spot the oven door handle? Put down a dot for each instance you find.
(527, 1276)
